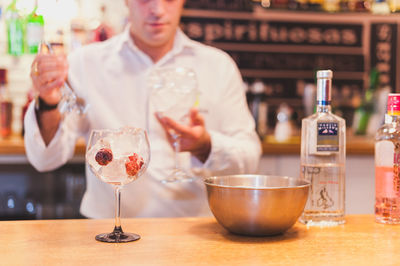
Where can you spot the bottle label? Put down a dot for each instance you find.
(327, 187)
(34, 34)
(393, 104)
(396, 170)
(387, 166)
(327, 136)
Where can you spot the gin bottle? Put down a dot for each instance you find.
(15, 30)
(387, 165)
(34, 30)
(323, 154)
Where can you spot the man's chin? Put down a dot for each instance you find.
(159, 40)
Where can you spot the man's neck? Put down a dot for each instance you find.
(155, 52)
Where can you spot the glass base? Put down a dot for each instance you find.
(117, 237)
(177, 176)
(387, 220)
(323, 223)
(322, 219)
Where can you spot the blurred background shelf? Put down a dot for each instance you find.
(355, 145)
(14, 145)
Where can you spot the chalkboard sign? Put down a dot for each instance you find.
(297, 61)
(221, 5)
(383, 52)
(261, 31)
(284, 49)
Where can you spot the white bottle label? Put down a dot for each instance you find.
(34, 34)
(327, 137)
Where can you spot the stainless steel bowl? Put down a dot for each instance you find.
(256, 205)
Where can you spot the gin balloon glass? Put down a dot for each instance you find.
(118, 157)
(173, 93)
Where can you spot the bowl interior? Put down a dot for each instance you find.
(255, 181)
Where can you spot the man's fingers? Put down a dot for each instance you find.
(51, 86)
(43, 63)
(178, 128)
(196, 118)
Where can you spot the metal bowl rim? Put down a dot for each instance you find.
(206, 181)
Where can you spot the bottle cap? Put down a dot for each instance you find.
(327, 74)
(393, 104)
(324, 84)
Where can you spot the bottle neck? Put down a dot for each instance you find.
(324, 86)
(324, 108)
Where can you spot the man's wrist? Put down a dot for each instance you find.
(203, 153)
(42, 106)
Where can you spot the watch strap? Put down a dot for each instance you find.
(41, 105)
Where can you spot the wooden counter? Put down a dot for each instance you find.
(355, 146)
(196, 241)
(14, 145)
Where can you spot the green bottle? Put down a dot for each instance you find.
(365, 110)
(15, 30)
(34, 31)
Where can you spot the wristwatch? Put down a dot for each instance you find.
(41, 105)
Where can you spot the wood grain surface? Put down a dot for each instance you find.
(196, 241)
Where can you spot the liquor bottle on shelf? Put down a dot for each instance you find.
(258, 107)
(2, 29)
(331, 5)
(34, 30)
(323, 154)
(279, 4)
(359, 5)
(315, 5)
(298, 4)
(103, 31)
(387, 165)
(344, 5)
(394, 6)
(5, 106)
(284, 128)
(15, 29)
(366, 108)
(380, 7)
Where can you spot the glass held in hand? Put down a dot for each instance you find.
(70, 101)
(173, 93)
(118, 157)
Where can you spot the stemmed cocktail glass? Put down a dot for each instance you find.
(118, 157)
(173, 93)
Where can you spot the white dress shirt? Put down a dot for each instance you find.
(111, 76)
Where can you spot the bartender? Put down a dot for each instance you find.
(111, 78)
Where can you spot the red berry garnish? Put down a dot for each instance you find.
(134, 164)
(104, 156)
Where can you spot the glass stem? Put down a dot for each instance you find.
(177, 148)
(117, 228)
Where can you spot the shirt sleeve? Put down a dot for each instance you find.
(58, 152)
(235, 146)
(61, 148)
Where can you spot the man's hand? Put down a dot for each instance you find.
(48, 74)
(193, 137)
